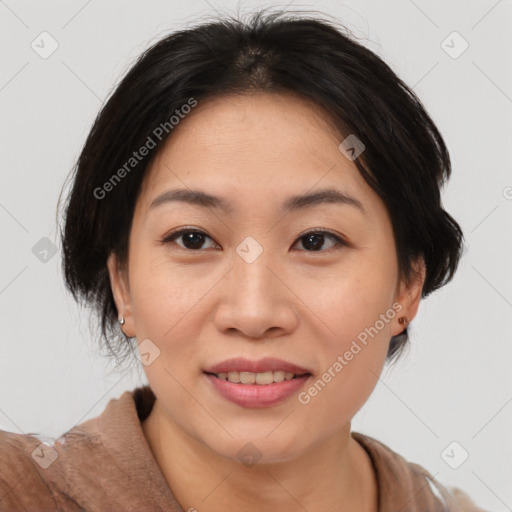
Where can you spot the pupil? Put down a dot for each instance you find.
(317, 240)
(193, 238)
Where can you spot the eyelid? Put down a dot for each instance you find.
(179, 231)
(324, 231)
(341, 241)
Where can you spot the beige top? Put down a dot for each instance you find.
(106, 464)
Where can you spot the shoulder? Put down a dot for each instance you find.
(18, 455)
(43, 474)
(402, 482)
(103, 463)
(25, 476)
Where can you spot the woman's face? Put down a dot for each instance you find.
(259, 280)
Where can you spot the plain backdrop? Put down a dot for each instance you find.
(453, 385)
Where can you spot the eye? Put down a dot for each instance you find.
(193, 239)
(316, 239)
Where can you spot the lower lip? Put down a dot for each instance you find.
(255, 395)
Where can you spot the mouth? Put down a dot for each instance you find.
(263, 383)
(258, 378)
(263, 371)
(256, 389)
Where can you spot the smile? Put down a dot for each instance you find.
(261, 379)
(249, 393)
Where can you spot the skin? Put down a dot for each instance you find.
(202, 306)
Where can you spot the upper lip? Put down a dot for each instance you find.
(268, 364)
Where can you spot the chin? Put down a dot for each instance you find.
(257, 449)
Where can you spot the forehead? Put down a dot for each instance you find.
(253, 146)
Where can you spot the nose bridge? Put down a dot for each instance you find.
(255, 300)
(250, 270)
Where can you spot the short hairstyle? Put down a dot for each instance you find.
(405, 160)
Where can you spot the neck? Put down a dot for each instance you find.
(334, 475)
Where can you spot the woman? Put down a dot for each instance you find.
(257, 209)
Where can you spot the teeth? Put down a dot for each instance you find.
(262, 378)
(231, 376)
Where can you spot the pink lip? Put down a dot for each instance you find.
(255, 395)
(268, 364)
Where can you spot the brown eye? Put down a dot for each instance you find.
(191, 239)
(315, 240)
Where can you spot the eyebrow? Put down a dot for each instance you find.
(293, 203)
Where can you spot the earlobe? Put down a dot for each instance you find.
(121, 293)
(410, 296)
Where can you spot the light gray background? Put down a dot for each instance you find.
(453, 385)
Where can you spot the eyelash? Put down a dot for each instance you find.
(176, 234)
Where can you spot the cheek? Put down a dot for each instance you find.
(164, 297)
(360, 331)
(165, 311)
(359, 313)
(351, 360)
(353, 301)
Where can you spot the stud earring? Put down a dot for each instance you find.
(403, 321)
(121, 320)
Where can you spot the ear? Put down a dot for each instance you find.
(409, 296)
(121, 292)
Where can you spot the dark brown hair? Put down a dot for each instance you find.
(405, 158)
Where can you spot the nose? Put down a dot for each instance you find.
(256, 301)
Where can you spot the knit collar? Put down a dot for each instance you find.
(116, 442)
